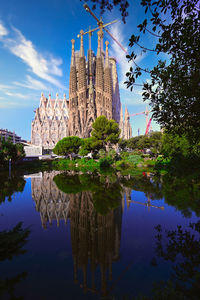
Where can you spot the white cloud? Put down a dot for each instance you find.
(4, 87)
(44, 66)
(17, 95)
(32, 83)
(3, 30)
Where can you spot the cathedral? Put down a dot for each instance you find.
(93, 91)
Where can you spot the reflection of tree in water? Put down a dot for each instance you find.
(183, 192)
(146, 183)
(10, 185)
(11, 244)
(182, 248)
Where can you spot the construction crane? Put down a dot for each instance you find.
(148, 126)
(101, 26)
(90, 31)
(148, 121)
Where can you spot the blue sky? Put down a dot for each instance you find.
(35, 52)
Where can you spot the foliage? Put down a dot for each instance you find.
(102, 153)
(122, 144)
(181, 247)
(134, 159)
(11, 244)
(105, 132)
(112, 154)
(8, 150)
(174, 90)
(174, 146)
(13, 241)
(10, 185)
(132, 143)
(107, 198)
(67, 145)
(183, 192)
(105, 194)
(153, 141)
(105, 162)
(109, 4)
(121, 164)
(143, 142)
(88, 145)
(87, 165)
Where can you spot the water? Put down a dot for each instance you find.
(90, 236)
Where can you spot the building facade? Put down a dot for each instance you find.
(93, 91)
(6, 134)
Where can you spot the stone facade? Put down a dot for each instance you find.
(93, 91)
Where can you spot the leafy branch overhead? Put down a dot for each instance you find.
(110, 4)
(173, 88)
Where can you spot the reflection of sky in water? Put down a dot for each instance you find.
(49, 261)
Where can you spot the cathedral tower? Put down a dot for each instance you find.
(107, 86)
(93, 91)
(99, 79)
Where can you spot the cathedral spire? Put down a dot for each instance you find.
(81, 48)
(107, 86)
(126, 113)
(73, 79)
(107, 58)
(121, 123)
(73, 53)
(99, 44)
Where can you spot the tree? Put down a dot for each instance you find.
(88, 145)
(109, 4)
(174, 89)
(67, 145)
(180, 247)
(8, 150)
(155, 142)
(105, 132)
(175, 146)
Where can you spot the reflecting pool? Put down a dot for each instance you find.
(92, 236)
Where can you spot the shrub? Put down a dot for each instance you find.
(112, 154)
(105, 162)
(134, 159)
(101, 153)
(122, 164)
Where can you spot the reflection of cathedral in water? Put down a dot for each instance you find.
(95, 238)
(52, 203)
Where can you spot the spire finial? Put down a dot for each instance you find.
(73, 52)
(107, 58)
(73, 42)
(99, 44)
(81, 50)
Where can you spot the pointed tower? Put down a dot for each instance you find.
(107, 86)
(127, 125)
(73, 98)
(116, 103)
(99, 79)
(43, 101)
(121, 123)
(82, 90)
